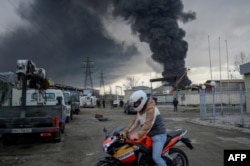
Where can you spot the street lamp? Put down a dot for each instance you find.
(213, 84)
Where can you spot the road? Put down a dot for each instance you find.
(82, 141)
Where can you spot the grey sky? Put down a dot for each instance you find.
(118, 53)
(227, 19)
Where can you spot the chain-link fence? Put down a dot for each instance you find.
(223, 106)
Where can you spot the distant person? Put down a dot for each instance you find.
(121, 103)
(175, 103)
(103, 103)
(98, 103)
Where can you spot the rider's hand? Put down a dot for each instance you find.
(123, 134)
(134, 137)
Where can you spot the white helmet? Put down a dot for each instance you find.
(137, 100)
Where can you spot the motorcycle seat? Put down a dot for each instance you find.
(172, 134)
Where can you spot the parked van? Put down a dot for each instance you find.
(88, 101)
(75, 102)
(69, 112)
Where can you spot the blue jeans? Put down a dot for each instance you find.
(158, 143)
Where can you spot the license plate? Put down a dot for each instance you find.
(25, 130)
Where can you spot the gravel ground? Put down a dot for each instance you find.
(82, 141)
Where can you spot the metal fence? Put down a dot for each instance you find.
(227, 107)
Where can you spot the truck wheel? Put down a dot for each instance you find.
(6, 140)
(57, 137)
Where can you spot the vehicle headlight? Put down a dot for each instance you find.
(105, 148)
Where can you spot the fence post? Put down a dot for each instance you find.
(213, 91)
(213, 84)
(202, 102)
(241, 106)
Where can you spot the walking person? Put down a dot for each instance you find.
(149, 119)
(98, 103)
(103, 103)
(175, 103)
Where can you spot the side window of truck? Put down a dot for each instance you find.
(34, 96)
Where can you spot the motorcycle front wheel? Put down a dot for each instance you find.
(100, 163)
(179, 158)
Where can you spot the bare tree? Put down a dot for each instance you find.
(131, 81)
(240, 59)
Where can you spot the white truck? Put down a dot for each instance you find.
(44, 121)
(88, 101)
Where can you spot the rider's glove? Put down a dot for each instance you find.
(134, 137)
(124, 134)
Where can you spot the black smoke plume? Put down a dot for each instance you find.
(156, 23)
(61, 34)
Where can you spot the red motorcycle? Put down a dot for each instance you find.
(139, 152)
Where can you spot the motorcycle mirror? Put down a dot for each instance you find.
(116, 133)
(105, 130)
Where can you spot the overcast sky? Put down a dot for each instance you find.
(60, 35)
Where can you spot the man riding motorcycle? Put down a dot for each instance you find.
(149, 118)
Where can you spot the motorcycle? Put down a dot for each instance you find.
(124, 151)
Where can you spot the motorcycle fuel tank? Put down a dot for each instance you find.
(126, 154)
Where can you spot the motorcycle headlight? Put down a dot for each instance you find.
(105, 148)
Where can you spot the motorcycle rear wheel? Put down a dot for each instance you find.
(179, 157)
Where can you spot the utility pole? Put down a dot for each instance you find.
(88, 65)
(220, 81)
(227, 64)
(210, 58)
(227, 74)
(102, 83)
(220, 61)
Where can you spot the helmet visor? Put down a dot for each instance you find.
(136, 103)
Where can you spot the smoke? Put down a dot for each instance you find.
(60, 35)
(156, 23)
